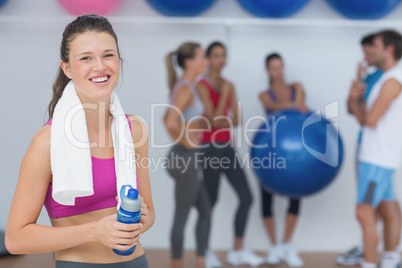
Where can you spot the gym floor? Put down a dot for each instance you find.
(160, 259)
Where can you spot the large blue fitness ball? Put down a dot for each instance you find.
(273, 8)
(181, 7)
(2, 2)
(364, 9)
(296, 154)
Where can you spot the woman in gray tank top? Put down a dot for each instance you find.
(182, 122)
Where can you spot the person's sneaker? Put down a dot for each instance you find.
(243, 257)
(369, 265)
(211, 260)
(275, 255)
(390, 260)
(386, 264)
(291, 257)
(350, 258)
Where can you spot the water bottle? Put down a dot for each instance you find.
(129, 212)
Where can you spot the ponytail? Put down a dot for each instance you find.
(171, 72)
(184, 52)
(58, 87)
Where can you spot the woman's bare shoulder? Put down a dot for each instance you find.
(41, 139)
(138, 128)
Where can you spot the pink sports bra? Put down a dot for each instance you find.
(105, 192)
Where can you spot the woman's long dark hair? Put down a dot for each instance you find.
(214, 45)
(268, 59)
(82, 24)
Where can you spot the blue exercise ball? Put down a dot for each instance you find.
(364, 9)
(181, 7)
(273, 8)
(2, 2)
(296, 154)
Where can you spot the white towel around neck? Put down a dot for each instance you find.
(70, 154)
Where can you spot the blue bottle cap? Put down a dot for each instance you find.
(132, 193)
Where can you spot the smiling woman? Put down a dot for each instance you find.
(83, 231)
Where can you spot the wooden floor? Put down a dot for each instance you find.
(160, 259)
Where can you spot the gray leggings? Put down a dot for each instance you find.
(189, 191)
(140, 262)
(233, 170)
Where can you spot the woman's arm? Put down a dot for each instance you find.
(236, 117)
(140, 139)
(271, 105)
(172, 119)
(25, 236)
(300, 98)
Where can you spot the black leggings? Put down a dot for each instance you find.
(229, 164)
(294, 204)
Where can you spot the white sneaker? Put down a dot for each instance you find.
(390, 260)
(243, 257)
(211, 260)
(291, 257)
(275, 255)
(368, 265)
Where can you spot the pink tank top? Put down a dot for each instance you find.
(105, 192)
